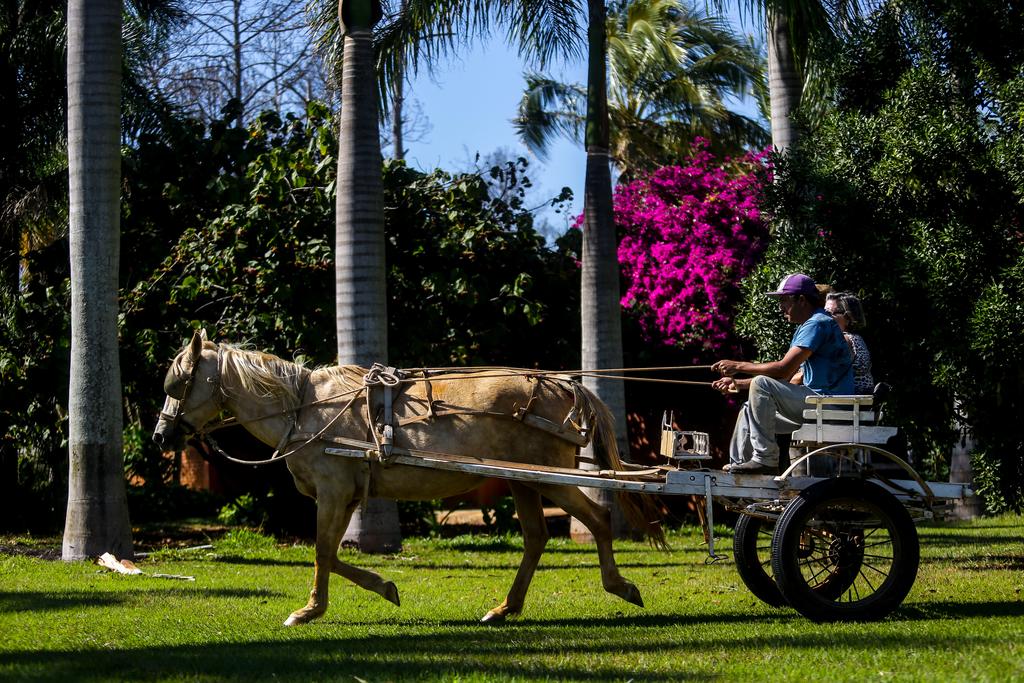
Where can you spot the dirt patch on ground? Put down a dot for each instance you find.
(43, 550)
(177, 535)
(146, 539)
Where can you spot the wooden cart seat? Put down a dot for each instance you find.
(841, 419)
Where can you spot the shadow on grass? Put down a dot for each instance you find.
(502, 545)
(480, 653)
(38, 601)
(979, 526)
(466, 649)
(961, 610)
(1014, 563)
(378, 564)
(262, 561)
(946, 540)
(982, 563)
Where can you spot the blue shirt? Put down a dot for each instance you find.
(829, 369)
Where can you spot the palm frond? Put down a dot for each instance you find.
(549, 109)
(544, 30)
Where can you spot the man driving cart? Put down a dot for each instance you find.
(818, 362)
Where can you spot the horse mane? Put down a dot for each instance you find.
(349, 375)
(268, 376)
(264, 374)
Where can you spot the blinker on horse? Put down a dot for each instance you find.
(504, 414)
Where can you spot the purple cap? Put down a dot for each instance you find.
(796, 284)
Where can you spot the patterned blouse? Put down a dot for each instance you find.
(863, 382)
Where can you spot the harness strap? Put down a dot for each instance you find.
(387, 377)
(429, 391)
(519, 412)
(388, 432)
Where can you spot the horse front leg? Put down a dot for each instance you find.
(364, 578)
(330, 528)
(535, 536)
(332, 516)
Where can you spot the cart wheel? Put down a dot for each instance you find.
(845, 550)
(752, 548)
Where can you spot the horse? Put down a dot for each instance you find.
(505, 414)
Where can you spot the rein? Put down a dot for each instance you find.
(600, 372)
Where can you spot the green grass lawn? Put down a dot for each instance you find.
(964, 619)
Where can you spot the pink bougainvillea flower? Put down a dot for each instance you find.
(690, 234)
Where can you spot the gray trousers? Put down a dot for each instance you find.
(773, 407)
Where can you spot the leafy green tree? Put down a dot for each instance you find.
(34, 213)
(33, 141)
(910, 192)
(672, 70)
(471, 282)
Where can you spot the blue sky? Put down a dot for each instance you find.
(469, 103)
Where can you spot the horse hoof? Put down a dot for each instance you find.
(303, 616)
(493, 618)
(390, 593)
(633, 596)
(629, 593)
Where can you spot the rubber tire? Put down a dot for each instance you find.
(751, 568)
(822, 605)
(759, 579)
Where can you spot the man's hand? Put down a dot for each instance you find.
(726, 385)
(727, 368)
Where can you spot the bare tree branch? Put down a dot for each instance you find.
(255, 50)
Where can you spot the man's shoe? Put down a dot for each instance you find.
(751, 467)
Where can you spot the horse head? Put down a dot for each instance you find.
(193, 393)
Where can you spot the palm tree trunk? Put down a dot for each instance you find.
(600, 312)
(784, 81)
(360, 292)
(97, 511)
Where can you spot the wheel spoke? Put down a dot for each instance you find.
(878, 557)
(871, 566)
(814, 579)
(867, 581)
(809, 570)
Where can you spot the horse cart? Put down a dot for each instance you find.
(833, 535)
(840, 546)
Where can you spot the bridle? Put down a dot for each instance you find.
(176, 418)
(203, 433)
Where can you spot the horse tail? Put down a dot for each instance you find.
(639, 509)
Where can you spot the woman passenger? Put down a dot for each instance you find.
(846, 310)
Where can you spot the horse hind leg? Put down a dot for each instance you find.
(598, 520)
(332, 520)
(535, 537)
